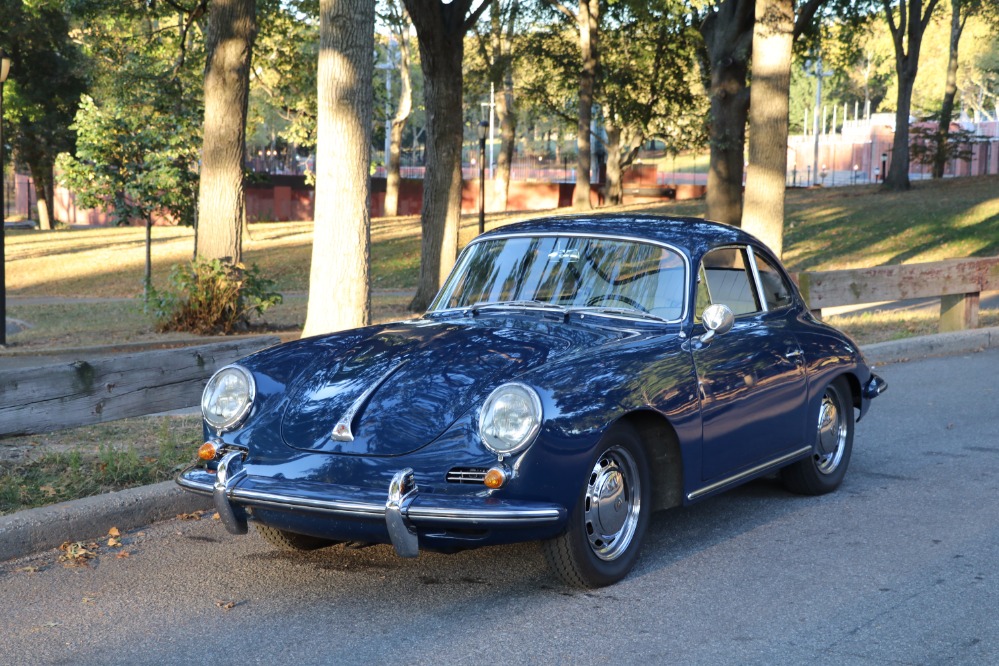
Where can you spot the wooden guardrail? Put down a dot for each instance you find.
(83, 392)
(958, 282)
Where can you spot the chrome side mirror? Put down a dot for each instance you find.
(718, 319)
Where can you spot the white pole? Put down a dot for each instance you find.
(492, 108)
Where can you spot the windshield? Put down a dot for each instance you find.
(569, 272)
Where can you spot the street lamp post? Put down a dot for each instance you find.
(4, 70)
(483, 128)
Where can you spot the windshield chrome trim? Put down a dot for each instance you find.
(560, 234)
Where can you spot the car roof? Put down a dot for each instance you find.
(690, 233)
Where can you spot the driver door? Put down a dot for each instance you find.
(751, 380)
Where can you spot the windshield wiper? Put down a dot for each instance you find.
(529, 304)
(624, 312)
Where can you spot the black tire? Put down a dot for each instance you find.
(595, 551)
(290, 540)
(823, 471)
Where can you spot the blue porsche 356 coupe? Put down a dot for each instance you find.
(573, 375)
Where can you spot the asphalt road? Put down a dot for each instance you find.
(897, 567)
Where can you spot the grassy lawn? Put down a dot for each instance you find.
(827, 229)
(43, 469)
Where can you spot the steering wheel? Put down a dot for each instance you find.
(616, 297)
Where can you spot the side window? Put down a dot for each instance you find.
(724, 278)
(775, 289)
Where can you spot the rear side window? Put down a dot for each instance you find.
(776, 291)
(724, 277)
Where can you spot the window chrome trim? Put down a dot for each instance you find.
(762, 297)
(556, 234)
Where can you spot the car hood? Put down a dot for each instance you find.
(397, 387)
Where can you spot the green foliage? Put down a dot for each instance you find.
(925, 144)
(139, 132)
(47, 77)
(209, 296)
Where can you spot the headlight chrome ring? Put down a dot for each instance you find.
(510, 419)
(228, 397)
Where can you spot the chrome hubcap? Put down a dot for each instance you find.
(832, 433)
(612, 504)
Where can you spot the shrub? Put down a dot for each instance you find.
(208, 296)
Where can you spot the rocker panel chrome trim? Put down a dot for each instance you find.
(732, 480)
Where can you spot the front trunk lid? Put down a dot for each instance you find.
(401, 386)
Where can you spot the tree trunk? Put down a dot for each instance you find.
(508, 137)
(614, 190)
(728, 35)
(588, 20)
(763, 215)
(147, 277)
(232, 28)
(41, 177)
(392, 178)
(907, 32)
(441, 30)
(339, 281)
(501, 38)
(950, 91)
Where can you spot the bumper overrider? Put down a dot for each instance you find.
(403, 510)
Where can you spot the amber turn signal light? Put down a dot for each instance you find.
(495, 478)
(207, 451)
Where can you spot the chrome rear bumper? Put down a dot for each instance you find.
(402, 509)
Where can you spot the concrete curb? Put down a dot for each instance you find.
(940, 344)
(39, 529)
(46, 527)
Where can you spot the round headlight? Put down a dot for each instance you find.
(510, 419)
(228, 397)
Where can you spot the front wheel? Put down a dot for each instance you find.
(608, 524)
(824, 470)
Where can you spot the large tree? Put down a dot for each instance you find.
(232, 28)
(728, 38)
(496, 49)
(399, 24)
(339, 282)
(441, 30)
(46, 82)
(586, 18)
(907, 22)
(644, 87)
(763, 214)
(960, 10)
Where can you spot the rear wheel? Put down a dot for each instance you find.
(608, 524)
(824, 470)
(290, 540)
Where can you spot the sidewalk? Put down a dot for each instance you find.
(47, 527)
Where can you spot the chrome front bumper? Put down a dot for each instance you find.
(403, 509)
